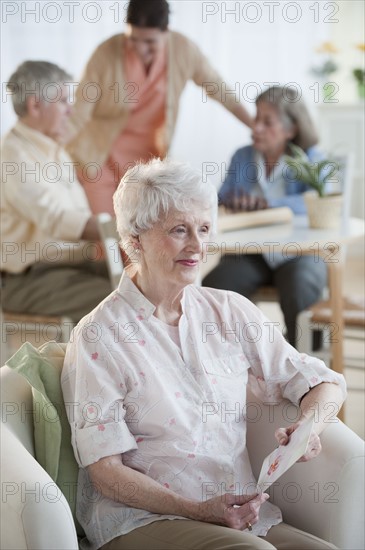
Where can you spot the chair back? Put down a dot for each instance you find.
(17, 406)
(34, 513)
(110, 240)
(341, 182)
(17, 328)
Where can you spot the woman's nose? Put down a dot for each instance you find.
(195, 242)
(257, 127)
(142, 49)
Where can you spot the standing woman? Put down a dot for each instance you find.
(138, 77)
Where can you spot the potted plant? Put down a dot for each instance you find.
(323, 208)
(359, 74)
(325, 68)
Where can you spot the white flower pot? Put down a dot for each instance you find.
(323, 212)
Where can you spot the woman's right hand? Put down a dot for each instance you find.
(235, 511)
(244, 202)
(114, 480)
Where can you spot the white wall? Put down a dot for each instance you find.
(251, 43)
(345, 35)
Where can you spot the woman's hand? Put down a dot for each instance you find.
(244, 202)
(235, 511)
(314, 446)
(114, 480)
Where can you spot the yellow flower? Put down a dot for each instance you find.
(360, 47)
(326, 47)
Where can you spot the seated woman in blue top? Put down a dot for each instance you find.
(259, 178)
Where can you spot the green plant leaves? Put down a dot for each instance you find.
(313, 174)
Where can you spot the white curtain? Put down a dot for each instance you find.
(251, 43)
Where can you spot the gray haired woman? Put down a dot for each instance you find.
(167, 472)
(257, 178)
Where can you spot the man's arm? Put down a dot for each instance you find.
(91, 230)
(32, 198)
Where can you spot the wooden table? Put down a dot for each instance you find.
(295, 237)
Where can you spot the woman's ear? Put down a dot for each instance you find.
(135, 242)
(292, 132)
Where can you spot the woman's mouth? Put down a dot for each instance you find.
(188, 263)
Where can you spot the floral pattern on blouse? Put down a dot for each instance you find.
(177, 414)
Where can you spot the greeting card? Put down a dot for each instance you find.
(284, 456)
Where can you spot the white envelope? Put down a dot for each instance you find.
(284, 456)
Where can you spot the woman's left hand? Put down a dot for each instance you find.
(314, 446)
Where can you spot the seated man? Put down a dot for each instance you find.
(44, 211)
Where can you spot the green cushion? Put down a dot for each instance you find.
(52, 434)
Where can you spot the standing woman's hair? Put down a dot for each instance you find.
(148, 13)
(293, 112)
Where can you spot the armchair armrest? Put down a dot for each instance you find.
(324, 496)
(34, 512)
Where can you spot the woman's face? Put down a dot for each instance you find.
(172, 251)
(147, 42)
(269, 135)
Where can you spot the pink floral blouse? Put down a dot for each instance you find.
(176, 413)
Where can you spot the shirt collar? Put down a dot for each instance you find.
(276, 175)
(47, 146)
(134, 297)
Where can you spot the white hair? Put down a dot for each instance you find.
(147, 192)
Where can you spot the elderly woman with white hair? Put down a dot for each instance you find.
(141, 368)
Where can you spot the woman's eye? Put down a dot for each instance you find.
(204, 229)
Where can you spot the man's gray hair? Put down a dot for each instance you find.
(147, 192)
(35, 78)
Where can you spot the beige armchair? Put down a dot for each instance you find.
(324, 496)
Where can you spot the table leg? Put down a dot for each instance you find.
(335, 287)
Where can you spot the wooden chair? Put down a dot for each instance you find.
(318, 317)
(16, 328)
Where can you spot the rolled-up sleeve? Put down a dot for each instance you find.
(277, 370)
(95, 442)
(304, 372)
(94, 390)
